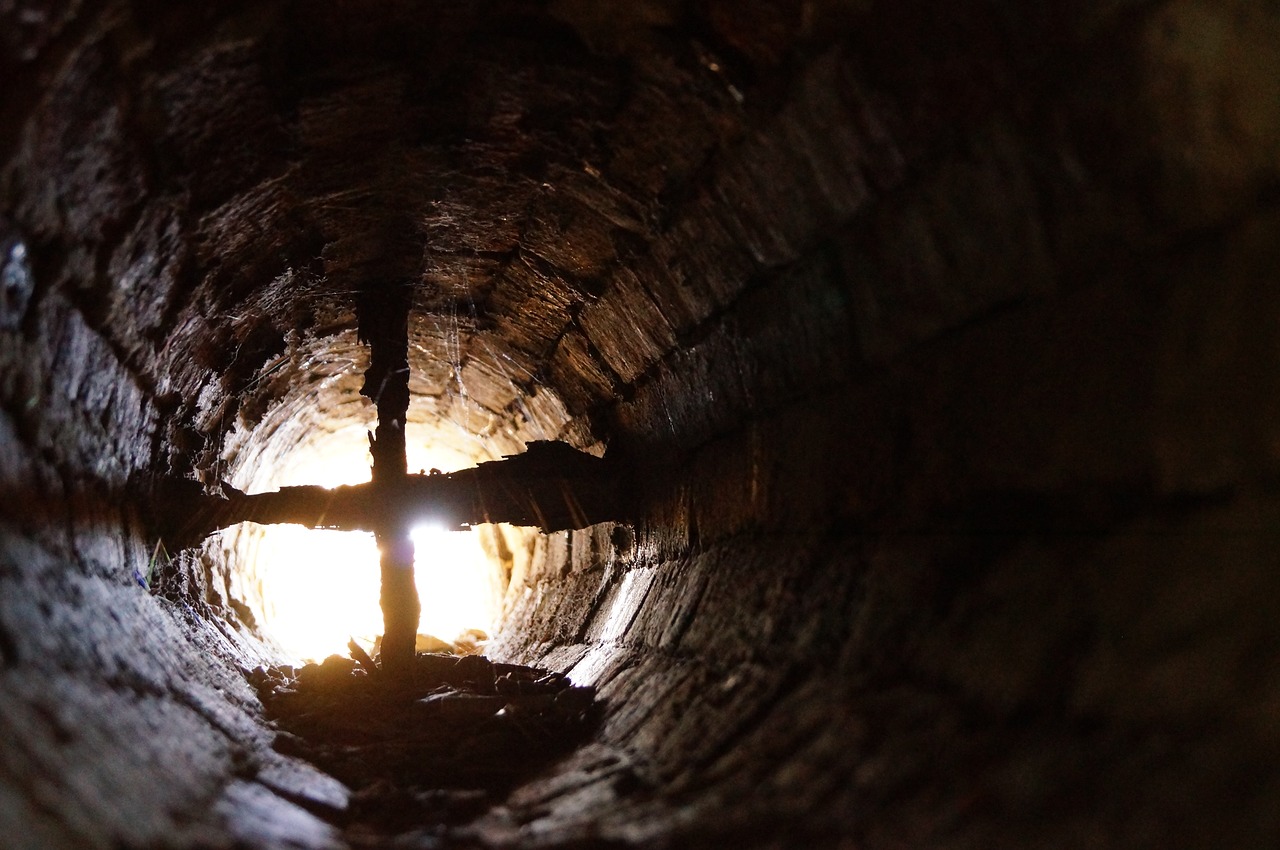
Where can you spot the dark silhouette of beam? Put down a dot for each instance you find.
(551, 486)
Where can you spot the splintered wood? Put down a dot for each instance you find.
(551, 486)
(384, 326)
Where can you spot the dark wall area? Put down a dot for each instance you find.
(942, 340)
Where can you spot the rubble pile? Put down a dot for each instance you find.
(434, 747)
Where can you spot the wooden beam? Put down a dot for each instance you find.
(551, 486)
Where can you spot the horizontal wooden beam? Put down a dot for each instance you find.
(551, 486)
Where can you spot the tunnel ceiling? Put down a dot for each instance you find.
(245, 179)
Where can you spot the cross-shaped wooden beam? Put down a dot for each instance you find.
(552, 486)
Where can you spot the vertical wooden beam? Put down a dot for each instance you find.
(384, 327)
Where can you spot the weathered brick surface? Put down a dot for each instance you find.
(1001, 622)
(643, 336)
(126, 714)
(942, 339)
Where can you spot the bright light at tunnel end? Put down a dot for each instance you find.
(428, 532)
(456, 581)
(321, 588)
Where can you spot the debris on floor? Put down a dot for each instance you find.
(429, 751)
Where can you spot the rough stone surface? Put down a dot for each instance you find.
(942, 339)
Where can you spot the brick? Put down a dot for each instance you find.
(626, 327)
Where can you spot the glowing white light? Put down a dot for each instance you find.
(321, 587)
(457, 582)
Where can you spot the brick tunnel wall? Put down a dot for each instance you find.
(945, 340)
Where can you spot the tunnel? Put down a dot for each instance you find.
(935, 346)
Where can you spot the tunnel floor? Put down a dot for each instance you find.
(426, 754)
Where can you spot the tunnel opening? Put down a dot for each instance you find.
(309, 591)
(447, 720)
